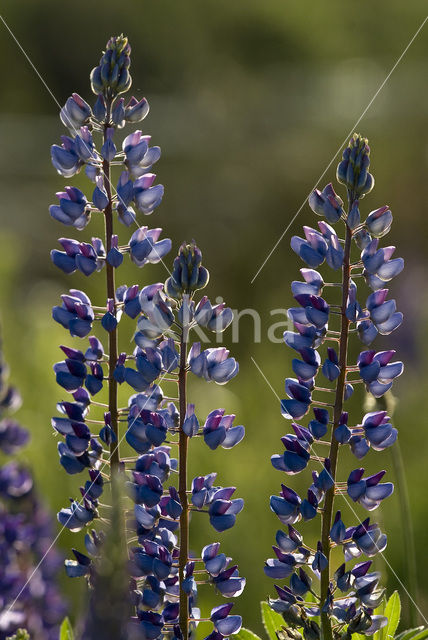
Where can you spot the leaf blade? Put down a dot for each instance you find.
(246, 634)
(272, 621)
(393, 613)
(66, 630)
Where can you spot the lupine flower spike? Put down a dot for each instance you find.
(26, 533)
(163, 569)
(345, 595)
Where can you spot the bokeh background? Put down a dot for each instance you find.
(249, 102)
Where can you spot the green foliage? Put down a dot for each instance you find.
(21, 634)
(66, 630)
(392, 612)
(417, 634)
(272, 621)
(246, 634)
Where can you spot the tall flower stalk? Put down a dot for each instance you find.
(163, 577)
(347, 595)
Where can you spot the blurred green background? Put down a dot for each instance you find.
(249, 102)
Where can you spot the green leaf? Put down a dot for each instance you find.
(408, 634)
(66, 630)
(246, 634)
(272, 620)
(421, 635)
(392, 612)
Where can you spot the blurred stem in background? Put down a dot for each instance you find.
(388, 403)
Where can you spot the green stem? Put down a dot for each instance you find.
(327, 633)
(111, 289)
(182, 490)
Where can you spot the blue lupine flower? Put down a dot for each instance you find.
(190, 424)
(72, 209)
(84, 145)
(342, 433)
(202, 490)
(366, 538)
(300, 399)
(354, 311)
(369, 492)
(307, 368)
(377, 370)
(313, 250)
(216, 318)
(378, 431)
(366, 589)
(100, 198)
(85, 257)
(379, 222)
(125, 194)
(146, 430)
(75, 313)
(330, 367)
(316, 309)
(286, 506)
(139, 156)
(146, 489)
(130, 298)
(77, 515)
(212, 364)
(76, 112)
(222, 510)
(135, 110)
(312, 286)
(383, 313)
(326, 203)
(335, 253)
(296, 455)
(218, 430)
(149, 366)
(110, 319)
(146, 196)
(115, 256)
(145, 246)
(318, 426)
(149, 624)
(12, 436)
(225, 624)
(229, 583)
(378, 265)
(65, 158)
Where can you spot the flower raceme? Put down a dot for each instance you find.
(26, 532)
(346, 595)
(163, 588)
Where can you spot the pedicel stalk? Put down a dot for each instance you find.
(336, 600)
(164, 574)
